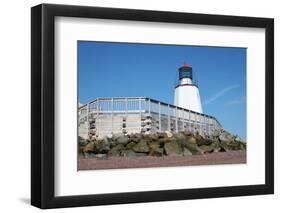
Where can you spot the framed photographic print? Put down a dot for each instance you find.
(139, 106)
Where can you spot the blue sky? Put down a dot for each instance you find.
(108, 69)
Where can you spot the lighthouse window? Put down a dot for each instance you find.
(185, 74)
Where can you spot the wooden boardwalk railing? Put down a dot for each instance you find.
(140, 114)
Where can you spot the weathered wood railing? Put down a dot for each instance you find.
(160, 116)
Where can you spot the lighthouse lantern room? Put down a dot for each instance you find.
(186, 90)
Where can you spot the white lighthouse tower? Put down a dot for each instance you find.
(186, 91)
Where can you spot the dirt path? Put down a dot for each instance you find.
(234, 157)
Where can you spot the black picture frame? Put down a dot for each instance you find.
(43, 102)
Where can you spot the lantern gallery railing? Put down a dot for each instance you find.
(138, 114)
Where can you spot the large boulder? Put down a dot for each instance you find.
(151, 137)
(130, 145)
(97, 147)
(157, 152)
(155, 149)
(187, 133)
(141, 147)
(241, 142)
(128, 153)
(123, 139)
(163, 141)
(115, 135)
(207, 148)
(141, 154)
(226, 137)
(173, 149)
(179, 136)
(88, 154)
(200, 140)
(154, 145)
(187, 140)
(162, 135)
(169, 134)
(186, 152)
(234, 145)
(243, 146)
(224, 146)
(115, 151)
(135, 137)
(90, 147)
(82, 141)
(216, 145)
(109, 136)
(118, 138)
(237, 138)
(191, 139)
(102, 146)
(203, 141)
(193, 148)
(101, 156)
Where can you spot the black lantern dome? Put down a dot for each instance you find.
(185, 72)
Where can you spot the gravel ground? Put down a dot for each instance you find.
(233, 157)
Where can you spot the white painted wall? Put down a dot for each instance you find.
(188, 97)
(15, 86)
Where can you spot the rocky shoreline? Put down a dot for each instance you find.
(159, 145)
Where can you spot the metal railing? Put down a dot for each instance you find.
(164, 116)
